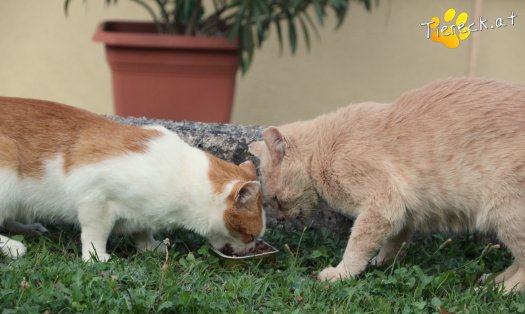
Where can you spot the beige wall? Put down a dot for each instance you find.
(374, 56)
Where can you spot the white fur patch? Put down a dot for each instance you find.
(165, 187)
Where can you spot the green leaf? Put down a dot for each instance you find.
(248, 47)
(235, 31)
(279, 34)
(246, 20)
(368, 4)
(186, 10)
(319, 10)
(203, 250)
(311, 23)
(305, 32)
(190, 257)
(436, 302)
(420, 305)
(165, 305)
(18, 237)
(183, 263)
(340, 10)
(66, 6)
(258, 24)
(264, 18)
(316, 254)
(292, 34)
(520, 307)
(264, 6)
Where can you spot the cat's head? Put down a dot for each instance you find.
(286, 183)
(242, 221)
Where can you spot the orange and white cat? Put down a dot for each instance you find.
(63, 164)
(449, 156)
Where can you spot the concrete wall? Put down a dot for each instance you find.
(374, 56)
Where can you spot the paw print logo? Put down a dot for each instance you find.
(450, 35)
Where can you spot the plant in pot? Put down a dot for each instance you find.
(183, 64)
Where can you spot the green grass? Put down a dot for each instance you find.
(433, 276)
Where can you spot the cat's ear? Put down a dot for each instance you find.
(247, 193)
(256, 148)
(249, 167)
(276, 143)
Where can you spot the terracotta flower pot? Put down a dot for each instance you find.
(167, 76)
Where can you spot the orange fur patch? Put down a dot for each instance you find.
(34, 131)
(222, 172)
(244, 222)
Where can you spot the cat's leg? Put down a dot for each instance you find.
(509, 272)
(394, 247)
(34, 229)
(503, 276)
(512, 234)
(369, 233)
(11, 248)
(144, 241)
(96, 223)
(516, 282)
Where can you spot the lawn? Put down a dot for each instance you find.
(436, 275)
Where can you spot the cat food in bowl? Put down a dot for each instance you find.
(262, 251)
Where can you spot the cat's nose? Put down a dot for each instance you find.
(272, 201)
(280, 206)
(280, 216)
(275, 203)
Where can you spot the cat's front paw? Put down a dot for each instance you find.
(99, 257)
(486, 278)
(13, 249)
(332, 274)
(103, 257)
(377, 261)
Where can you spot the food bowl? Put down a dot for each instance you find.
(268, 254)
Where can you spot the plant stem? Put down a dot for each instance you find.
(190, 28)
(152, 13)
(164, 268)
(165, 17)
(213, 21)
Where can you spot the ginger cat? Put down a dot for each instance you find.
(63, 164)
(449, 156)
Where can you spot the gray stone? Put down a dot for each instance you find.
(226, 141)
(230, 142)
